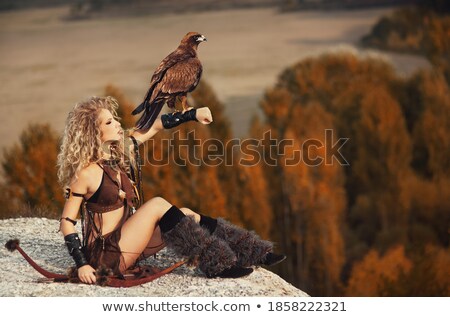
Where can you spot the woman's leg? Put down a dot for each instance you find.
(182, 233)
(155, 245)
(139, 230)
(188, 239)
(156, 242)
(250, 249)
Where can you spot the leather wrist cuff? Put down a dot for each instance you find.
(73, 244)
(171, 120)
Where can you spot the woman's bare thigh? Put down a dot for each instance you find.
(138, 231)
(156, 244)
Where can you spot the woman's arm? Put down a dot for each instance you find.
(72, 205)
(144, 135)
(203, 115)
(86, 273)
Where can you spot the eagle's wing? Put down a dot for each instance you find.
(168, 62)
(182, 77)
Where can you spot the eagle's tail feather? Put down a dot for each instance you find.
(149, 116)
(144, 104)
(139, 108)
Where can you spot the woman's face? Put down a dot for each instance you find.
(109, 127)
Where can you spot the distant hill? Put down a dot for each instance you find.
(23, 4)
(132, 5)
(340, 4)
(165, 6)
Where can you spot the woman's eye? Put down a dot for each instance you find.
(109, 122)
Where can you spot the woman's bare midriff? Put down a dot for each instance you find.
(111, 220)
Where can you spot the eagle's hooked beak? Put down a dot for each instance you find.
(201, 39)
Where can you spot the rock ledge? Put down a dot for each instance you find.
(40, 239)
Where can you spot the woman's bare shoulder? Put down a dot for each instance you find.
(87, 175)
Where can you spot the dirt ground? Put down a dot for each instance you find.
(47, 64)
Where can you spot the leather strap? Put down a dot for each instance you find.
(69, 220)
(137, 175)
(69, 193)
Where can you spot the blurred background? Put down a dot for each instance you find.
(375, 72)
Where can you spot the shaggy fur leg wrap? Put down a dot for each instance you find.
(250, 249)
(189, 239)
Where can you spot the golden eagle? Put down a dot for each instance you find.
(177, 74)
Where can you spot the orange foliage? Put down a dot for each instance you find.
(369, 275)
(378, 193)
(440, 263)
(432, 129)
(254, 203)
(30, 173)
(308, 199)
(427, 277)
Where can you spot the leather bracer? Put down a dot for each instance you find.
(73, 244)
(171, 120)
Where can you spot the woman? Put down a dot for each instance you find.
(96, 169)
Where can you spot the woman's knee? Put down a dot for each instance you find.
(190, 212)
(158, 204)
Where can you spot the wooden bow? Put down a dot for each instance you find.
(104, 277)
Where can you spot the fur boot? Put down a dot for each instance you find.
(188, 239)
(250, 249)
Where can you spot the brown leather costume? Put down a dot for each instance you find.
(103, 249)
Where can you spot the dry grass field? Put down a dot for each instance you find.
(48, 63)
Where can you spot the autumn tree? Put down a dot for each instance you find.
(307, 187)
(431, 128)
(426, 106)
(376, 201)
(428, 275)
(419, 29)
(252, 188)
(370, 276)
(29, 170)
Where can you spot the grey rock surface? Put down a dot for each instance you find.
(41, 241)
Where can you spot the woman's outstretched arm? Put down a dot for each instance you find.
(203, 115)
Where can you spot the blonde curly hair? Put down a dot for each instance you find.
(81, 144)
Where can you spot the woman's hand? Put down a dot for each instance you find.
(86, 274)
(204, 115)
